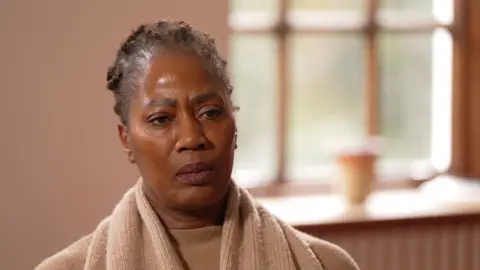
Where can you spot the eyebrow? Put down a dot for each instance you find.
(164, 102)
(204, 97)
(169, 102)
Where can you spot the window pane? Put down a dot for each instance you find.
(327, 4)
(253, 5)
(406, 95)
(415, 11)
(326, 99)
(417, 5)
(253, 65)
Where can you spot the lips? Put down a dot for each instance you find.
(195, 173)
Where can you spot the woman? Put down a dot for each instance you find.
(173, 98)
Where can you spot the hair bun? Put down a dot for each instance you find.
(113, 79)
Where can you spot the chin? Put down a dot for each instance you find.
(198, 197)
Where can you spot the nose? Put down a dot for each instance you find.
(190, 136)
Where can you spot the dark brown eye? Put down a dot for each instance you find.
(211, 113)
(159, 120)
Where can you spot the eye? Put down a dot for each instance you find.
(159, 120)
(211, 113)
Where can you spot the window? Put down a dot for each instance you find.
(314, 76)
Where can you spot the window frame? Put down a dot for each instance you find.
(370, 27)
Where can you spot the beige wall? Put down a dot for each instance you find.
(61, 167)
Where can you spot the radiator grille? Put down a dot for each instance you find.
(415, 247)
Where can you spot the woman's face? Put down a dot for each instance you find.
(181, 133)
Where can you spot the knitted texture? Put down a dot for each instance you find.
(134, 238)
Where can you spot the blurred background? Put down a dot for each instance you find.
(311, 77)
(332, 72)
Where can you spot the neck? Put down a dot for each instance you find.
(176, 218)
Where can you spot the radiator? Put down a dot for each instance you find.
(412, 247)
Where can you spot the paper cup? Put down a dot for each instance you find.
(357, 175)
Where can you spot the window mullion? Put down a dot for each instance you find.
(461, 121)
(282, 73)
(371, 55)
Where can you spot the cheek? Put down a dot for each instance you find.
(222, 135)
(149, 147)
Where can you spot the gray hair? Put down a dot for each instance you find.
(136, 52)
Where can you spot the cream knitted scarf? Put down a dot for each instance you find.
(134, 238)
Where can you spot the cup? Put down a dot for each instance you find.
(357, 174)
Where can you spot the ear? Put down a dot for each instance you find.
(124, 136)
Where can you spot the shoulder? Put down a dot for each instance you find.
(75, 255)
(72, 257)
(332, 256)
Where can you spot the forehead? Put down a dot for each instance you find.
(178, 70)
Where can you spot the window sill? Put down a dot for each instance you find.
(382, 206)
(297, 188)
(391, 173)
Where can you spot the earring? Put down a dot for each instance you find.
(236, 146)
(131, 158)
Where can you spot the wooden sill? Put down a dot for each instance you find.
(290, 188)
(383, 206)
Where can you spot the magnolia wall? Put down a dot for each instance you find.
(62, 168)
